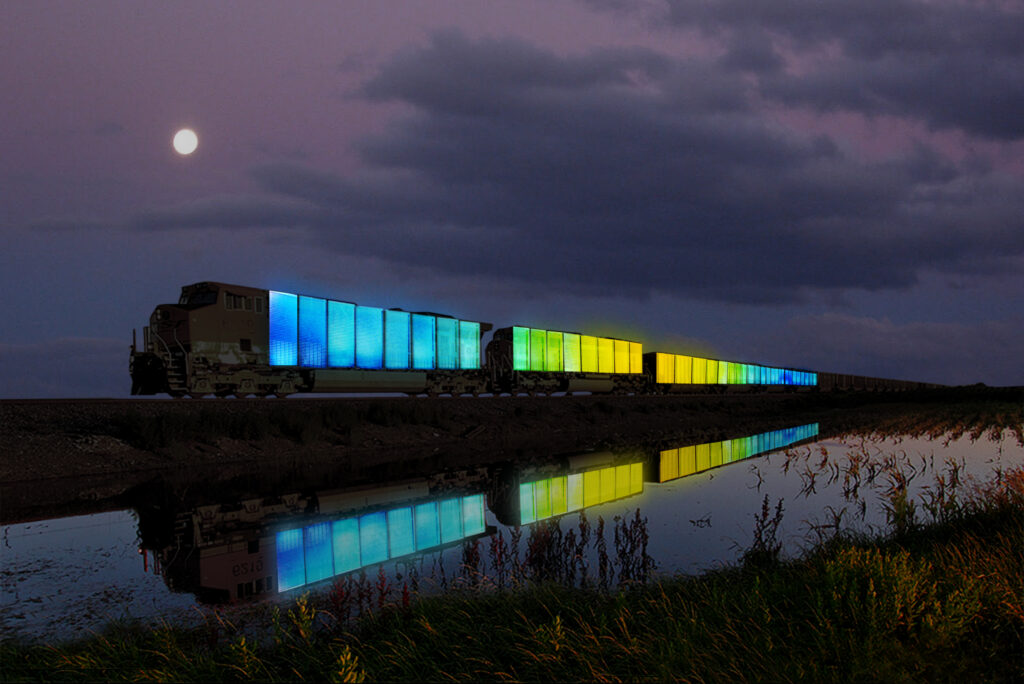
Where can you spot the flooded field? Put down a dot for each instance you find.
(185, 549)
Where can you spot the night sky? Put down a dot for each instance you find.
(813, 183)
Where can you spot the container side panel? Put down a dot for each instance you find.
(341, 335)
(605, 355)
(664, 369)
(621, 356)
(684, 369)
(473, 514)
(284, 329)
(538, 349)
(312, 332)
(571, 353)
(447, 343)
(345, 535)
(373, 537)
(397, 339)
(369, 337)
(319, 556)
(469, 345)
(451, 520)
(401, 533)
(428, 526)
(553, 362)
(588, 354)
(700, 371)
(424, 342)
(291, 562)
(520, 348)
(636, 357)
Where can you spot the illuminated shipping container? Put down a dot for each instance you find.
(548, 497)
(534, 349)
(318, 333)
(326, 549)
(676, 463)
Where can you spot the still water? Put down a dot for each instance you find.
(177, 552)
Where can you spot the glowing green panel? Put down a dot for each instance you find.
(712, 370)
(542, 494)
(571, 353)
(605, 355)
(447, 343)
(716, 454)
(588, 354)
(554, 352)
(538, 349)
(520, 348)
(473, 515)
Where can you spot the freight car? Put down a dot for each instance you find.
(224, 340)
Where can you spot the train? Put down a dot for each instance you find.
(228, 340)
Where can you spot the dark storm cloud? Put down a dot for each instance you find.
(949, 64)
(625, 171)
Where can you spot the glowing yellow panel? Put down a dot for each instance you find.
(699, 371)
(621, 481)
(712, 371)
(664, 368)
(684, 369)
(636, 357)
(588, 354)
(559, 501)
(607, 484)
(723, 372)
(591, 488)
(668, 465)
(703, 457)
(605, 355)
(636, 478)
(621, 356)
(716, 454)
(687, 461)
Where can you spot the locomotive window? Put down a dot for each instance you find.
(259, 305)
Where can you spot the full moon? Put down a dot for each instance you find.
(185, 141)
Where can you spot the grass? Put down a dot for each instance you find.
(934, 598)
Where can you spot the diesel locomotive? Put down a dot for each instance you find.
(225, 340)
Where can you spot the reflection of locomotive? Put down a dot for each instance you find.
(229, 340)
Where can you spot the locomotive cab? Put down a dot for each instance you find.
(213, 325)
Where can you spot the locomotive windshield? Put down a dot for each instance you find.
(197, 299)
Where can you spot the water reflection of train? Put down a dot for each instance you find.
(250, 546)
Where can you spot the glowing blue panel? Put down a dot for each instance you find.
(424, 341)
(447, 343)
(473, 515)
(527, 504)
(369, 337)
(401, 540)
(291, 566)
(428, 528)
(787, 377)
(451, 520)
(319, 556)
(341, 335)
(346, 545)
(520, 348)
(284, 329)
(373, 537)
(396, 339)
(574, 491)
(469, 345)
(312, 332)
